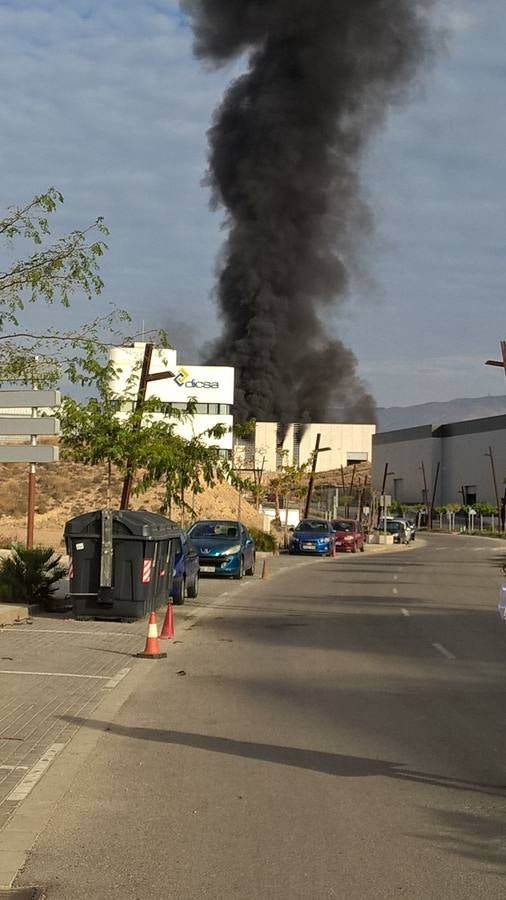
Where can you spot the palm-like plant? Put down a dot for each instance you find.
(30, 575)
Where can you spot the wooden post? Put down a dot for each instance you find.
(494, 479)
(141, 396)
(433, 499)
(426, 495)
(311, 477)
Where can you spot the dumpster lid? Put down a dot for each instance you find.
(138, 523)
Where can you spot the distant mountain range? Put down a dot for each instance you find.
(395, 417)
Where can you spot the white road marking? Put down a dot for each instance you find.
(53, 674)
(27, 784)
(396, 578)
(117, 678)
(405, 612)
(395, 591)
(446, 653)
(14, 768)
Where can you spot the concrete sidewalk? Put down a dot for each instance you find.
(48, 669)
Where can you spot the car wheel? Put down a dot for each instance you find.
(240, 573)
(193, 589)
(251, 570)
(179, 592)
(362, 547)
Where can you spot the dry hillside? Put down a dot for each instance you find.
(68, 489)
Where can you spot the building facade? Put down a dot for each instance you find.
(211, 387)
(273, 445)
(452, 463)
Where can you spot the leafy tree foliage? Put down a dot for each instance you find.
(30, 574)
(48, 270)
(108, 428)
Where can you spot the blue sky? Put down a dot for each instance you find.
(105, 101)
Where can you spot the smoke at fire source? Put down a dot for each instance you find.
(285, 150)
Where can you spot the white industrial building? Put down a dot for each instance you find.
(273, 445)
(451, 462)
(212, 388)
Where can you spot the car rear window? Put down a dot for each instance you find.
(308, 525)
(214, 529)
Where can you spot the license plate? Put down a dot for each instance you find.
(308, 546)
(207, 569)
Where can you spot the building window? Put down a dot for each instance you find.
(201, 409)
(356, 456)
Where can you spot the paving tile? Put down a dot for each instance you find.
(38, 710)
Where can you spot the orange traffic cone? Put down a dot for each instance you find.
(167, 631)
(152, 648)
(264, 571)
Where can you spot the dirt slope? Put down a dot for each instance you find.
(67, 489)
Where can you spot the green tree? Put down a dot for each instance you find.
(108, 428)
(485, 509)
(51, 273)
(186, 466)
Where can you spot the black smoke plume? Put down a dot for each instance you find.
(285, 150)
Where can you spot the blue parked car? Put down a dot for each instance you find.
(224, 547)
(313, 536)
(186, 570)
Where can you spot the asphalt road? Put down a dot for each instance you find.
(335, 732)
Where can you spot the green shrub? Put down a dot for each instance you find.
(30, 576)
(264, 542)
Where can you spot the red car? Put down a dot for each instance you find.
(349, 535)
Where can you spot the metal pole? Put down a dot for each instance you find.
(32, 482)
(141, 396)
(31, 504)
(311, 477)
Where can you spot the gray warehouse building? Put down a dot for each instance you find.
(457, 454)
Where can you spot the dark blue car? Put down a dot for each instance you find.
(186, 570)
(224, 547)
(313, 536)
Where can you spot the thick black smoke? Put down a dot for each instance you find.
(285, 150)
